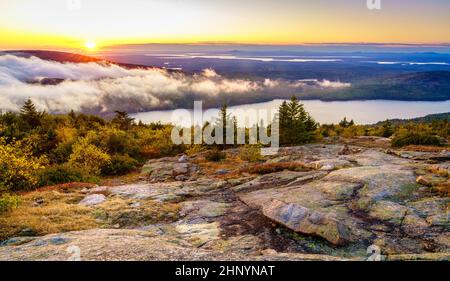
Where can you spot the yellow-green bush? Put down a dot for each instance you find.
(120, 165)
(88, 157)
(8, 202)
(76, 145)
(64, 173)
(406, 137)
(18, 166)
(194, 149)
(158, 143)
(250, 153)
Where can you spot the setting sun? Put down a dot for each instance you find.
(90, 45)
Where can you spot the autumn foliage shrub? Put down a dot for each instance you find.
(405, 138)
(38, 148)
(88, 157)
(250, 153)
(120, 165)
(63, 173)
(215, 155)
(18, 166)
(8, 202)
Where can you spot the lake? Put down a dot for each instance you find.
(363, 112)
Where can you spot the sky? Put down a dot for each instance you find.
(31, 24)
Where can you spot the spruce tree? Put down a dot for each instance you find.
(388, 130)
(296, 125)
(30, 116)
(345, 123)
(123, 120)
(226, 121)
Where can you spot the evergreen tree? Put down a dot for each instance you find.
(72, 115)
(123, 120)
(387, 128)
(296, 125)
(283, 117)
(352, 123)
(346, 124)
(226, 121)
(31, 117)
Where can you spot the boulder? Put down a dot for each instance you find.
(305, 221)
(346, 150)
(183, 159)
(330, 164)
(180, 169)
(99, 190)
(199, 234)
(137, 245)
(377, 158)
(388, 211)
(146, 190)
(203, 209)
(400, 215)
(273, 180)
(93, 199)
(379, 182)
(222, 172)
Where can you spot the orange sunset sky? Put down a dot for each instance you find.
(71, 24)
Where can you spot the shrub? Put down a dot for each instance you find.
(61, 153)
(66, 134)
(250, 153)
(215, 155)
(352, 131)
(405, 138)
(88, 157)
(120, 165)
(18, 166)
(194, 149)
(64, 173)
(150, 152)
(8, 202)
(157, 143)
(114, 141)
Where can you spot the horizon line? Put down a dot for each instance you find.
(415, 44)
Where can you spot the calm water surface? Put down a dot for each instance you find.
(363, 112)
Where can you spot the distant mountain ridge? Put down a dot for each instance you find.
(66, 57)
(425, 119)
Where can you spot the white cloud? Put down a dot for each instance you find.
(210, 73)
(333, 84)
(96, 88)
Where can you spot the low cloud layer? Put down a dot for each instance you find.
(104, 88)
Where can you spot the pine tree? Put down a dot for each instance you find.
(72, 115)
(283, 117)
(345, 123)
(296, 125)
(226, 122)
(388, 130)
(30, 115)
(123, 120)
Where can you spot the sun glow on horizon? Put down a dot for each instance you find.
(90, 45)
